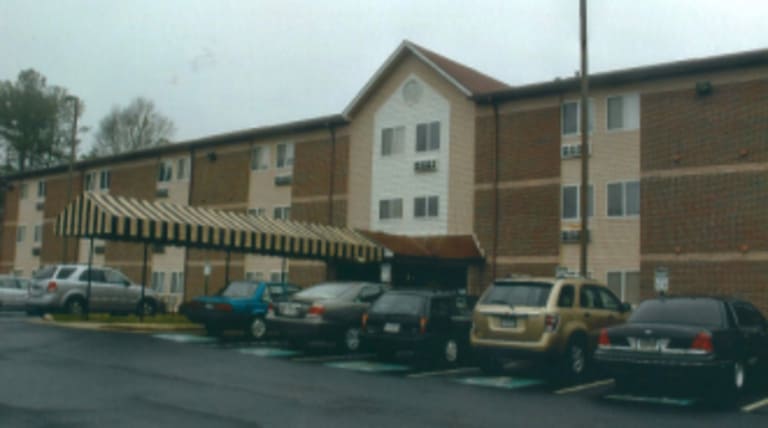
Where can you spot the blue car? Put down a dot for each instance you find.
(241, 305)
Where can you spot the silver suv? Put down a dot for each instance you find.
(64, 287)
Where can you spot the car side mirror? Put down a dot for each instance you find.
(625, 307)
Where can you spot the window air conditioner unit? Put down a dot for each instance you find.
(39, 206)
(571, 236)
(161, 193)
(283, 180)
(570, 151)
(98, 249)
(425, 165)
(36, 251)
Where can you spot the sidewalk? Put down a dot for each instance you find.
(146, 327)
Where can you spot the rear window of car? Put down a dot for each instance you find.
(240, 289)
(44, 273)
(328, 291)
(533, 294)
(697, 312)
(65, 272)
(399, 303)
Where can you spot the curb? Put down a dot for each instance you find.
(122, 327)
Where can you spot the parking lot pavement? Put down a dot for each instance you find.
(518, 377)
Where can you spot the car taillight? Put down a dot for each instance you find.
(271, 308)
(703, 342)
(550, 322)
(422, 325)
(51, 287)
(604, 340)
(364, 321)
(316, 310)
(224, 307)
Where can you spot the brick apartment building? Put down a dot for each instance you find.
(465, 178)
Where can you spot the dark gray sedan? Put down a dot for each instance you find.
(329, 311)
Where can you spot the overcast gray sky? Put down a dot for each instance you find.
(218, 66)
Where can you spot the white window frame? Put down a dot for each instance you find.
(578, 202)
(629, 122)
(165, 171)
(38, 233)
(279, 276)
(389, 215)
(89, 181)
(182, 168)
(177, 283)
(23, 191)
(283, 210)
(257, 211)
(158, 277)
(41, 189)
(287, 159)
(21, 231)
(622, 282)
(624, 199)
(105, 179)
(396, 144)
(430, 201)
(590, 112)
(261, 161)
(428, 135)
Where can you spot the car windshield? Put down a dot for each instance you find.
(44, 273)
(240, 289)
(697, 312)
(534, 294)
(399, 303)
(328, 291)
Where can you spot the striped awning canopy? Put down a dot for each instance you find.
(127, 219)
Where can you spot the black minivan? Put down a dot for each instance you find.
(432, 324)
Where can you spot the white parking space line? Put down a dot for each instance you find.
(754, 406)
(463, 370)
(323, 358)
(582, 387)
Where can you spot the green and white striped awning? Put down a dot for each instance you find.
(119, 218)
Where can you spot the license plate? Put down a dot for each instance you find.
(509, 322)
(647, 345)
(391, 327)
(209, 306)
(290, 310)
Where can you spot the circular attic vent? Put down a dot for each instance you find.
(412, 92)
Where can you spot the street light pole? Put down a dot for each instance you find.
(72, 153)
(584, 193)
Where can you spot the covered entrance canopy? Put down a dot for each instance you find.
(102, 216)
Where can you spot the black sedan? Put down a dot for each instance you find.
(432, 324)
(710, 345)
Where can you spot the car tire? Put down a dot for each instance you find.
(146, 307)
(449, 352)
(490, 364)
(575, 358)
(256, 329)
(75, 306)
(350, 341)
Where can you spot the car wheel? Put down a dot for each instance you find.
(146, 308)
(490, 364)
(449, 352)
(575, 358)
(351, 340)
(75, 306)
(257, 328)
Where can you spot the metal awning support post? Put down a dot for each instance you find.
(226, 269)
(143, 283)
(90, 274)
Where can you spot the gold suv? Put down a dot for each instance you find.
(543, 318)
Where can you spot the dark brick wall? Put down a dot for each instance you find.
(223, 180)
(529, 146)
(705, 130)
(55, 202)
(317, 212)
(747, 280)
(195, 280)
(136, 181)
(313, 164)
(10, 214)
(705, 213)
(305, 275)
(480, 277)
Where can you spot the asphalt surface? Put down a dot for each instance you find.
(52, 376)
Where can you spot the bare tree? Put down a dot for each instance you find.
(135, 127)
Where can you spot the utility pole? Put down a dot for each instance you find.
(584, 193)
(72, 153)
